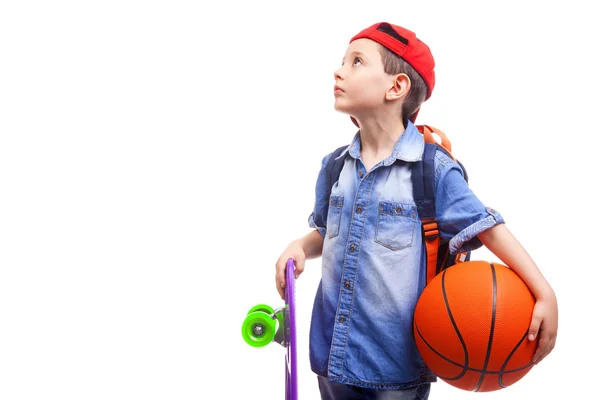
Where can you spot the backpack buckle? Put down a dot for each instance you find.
(460, 257)
(430, 229)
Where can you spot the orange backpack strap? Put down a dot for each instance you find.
(428, 133)
(431, 235)
(423, 179)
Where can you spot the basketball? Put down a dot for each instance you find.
(471, 324)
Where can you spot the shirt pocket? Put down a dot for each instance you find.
(334, 215)
(396, 225)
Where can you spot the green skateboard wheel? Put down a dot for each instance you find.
(258, 329)
(262, 307)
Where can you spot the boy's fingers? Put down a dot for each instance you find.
(534, 328)
(538, 358)
(280, 277)
(541, 350)
(299, 267)
(545, 346)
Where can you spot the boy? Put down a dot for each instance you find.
(374, 264)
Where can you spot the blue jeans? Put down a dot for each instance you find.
(338, 391)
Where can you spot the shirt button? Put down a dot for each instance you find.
(347, 284)
(352, 249)
(360, 174)
(359, 210)
(342, 319)
(398, 210)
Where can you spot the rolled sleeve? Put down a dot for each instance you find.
(318, 216)
(467, 240)
(461, 215)
(313, 224)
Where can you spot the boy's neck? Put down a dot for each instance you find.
(378, 136)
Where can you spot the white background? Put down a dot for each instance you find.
(156, 157)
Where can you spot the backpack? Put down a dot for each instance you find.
(423, 180)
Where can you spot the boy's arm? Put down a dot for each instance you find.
(305, 248)
(500, 241)
(467, 224)
(312, 244)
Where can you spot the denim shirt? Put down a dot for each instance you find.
(374, 264)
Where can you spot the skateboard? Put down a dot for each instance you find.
(264, 325)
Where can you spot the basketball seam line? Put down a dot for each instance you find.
(508, 359)
(491, 336)
(462, 342)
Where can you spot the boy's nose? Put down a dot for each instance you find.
(337, 74)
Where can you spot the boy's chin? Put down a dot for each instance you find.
(340, 108)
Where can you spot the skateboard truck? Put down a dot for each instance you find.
(283, 331)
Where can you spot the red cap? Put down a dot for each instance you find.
(405, 45)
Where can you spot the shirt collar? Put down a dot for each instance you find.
(409, 146)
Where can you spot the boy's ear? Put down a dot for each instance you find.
(400, 87)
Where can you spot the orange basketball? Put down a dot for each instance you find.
(471, 324)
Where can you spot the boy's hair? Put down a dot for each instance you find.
(392, 65)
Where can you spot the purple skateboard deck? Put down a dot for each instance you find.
(291, 374)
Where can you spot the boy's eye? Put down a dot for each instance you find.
(355, 60)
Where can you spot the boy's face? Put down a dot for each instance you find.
(361, 82)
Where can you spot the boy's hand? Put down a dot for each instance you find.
(295, 251)
(544, 323)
